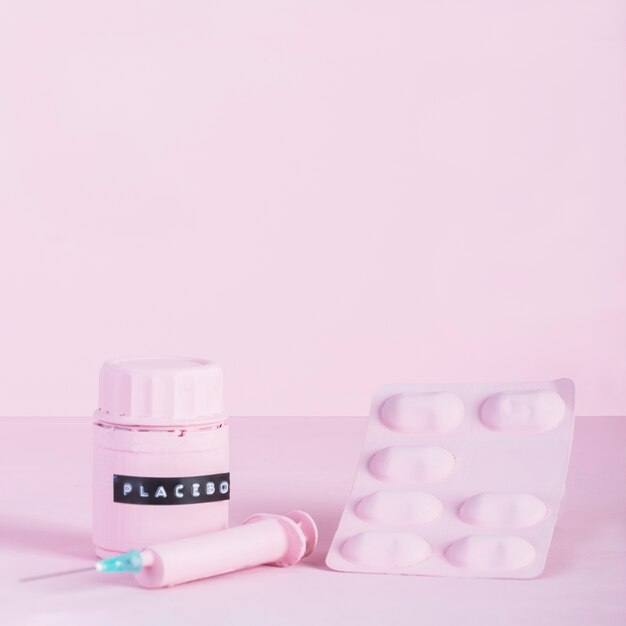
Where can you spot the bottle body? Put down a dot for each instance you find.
(160, 452)
(158, 484)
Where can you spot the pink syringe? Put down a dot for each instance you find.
(262, 539)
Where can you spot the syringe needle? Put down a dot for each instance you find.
(131, 561)
(55, 574)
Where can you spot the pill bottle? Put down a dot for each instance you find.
(160, 453)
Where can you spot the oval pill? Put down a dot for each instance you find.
(388, 550)
(490, 553)
(503, 510)
(412, 464)
(399, 507)
(422, 413)
(523, 411)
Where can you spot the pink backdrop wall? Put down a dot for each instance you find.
(322, 196)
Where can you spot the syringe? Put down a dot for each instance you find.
(263, 539)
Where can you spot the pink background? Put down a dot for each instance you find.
(323, 197)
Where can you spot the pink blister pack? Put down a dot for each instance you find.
(458, 480)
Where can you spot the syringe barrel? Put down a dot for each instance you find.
(263, 539)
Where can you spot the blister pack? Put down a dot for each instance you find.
(458, 480)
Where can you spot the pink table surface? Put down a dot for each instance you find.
(279, 464)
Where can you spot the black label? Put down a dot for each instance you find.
(185, 490)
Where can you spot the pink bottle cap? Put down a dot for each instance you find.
(160, 391)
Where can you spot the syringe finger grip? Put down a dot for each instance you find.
(262, 539)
